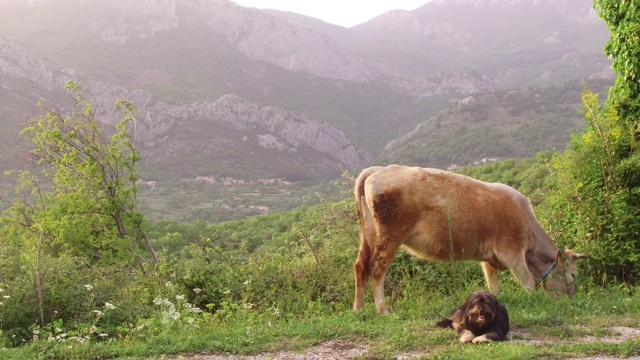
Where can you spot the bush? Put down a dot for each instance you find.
(595, 199)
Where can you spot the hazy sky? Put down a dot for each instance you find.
(341, 12)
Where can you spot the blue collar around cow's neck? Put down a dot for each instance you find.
(546, 274)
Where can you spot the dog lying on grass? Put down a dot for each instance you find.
(480, 319)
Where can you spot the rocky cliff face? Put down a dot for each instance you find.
(256, 34)
(491, 37)
(19, 63)
(263, 37)
(156, 119)
(288, 130)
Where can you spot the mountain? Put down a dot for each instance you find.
(512, 42)
(233, 91)
(488, 127)
(169, 133)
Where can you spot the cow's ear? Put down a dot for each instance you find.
(574, 255)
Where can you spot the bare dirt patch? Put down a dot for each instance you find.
(339, 350)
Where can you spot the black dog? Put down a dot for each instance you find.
(482, 318)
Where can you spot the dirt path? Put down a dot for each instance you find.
(340, 350)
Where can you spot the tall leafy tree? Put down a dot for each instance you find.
(623, 19)
(91, 209)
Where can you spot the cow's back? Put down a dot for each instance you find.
(435, 213)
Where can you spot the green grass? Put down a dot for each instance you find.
(542, 327)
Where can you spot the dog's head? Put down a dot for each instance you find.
(481, 308)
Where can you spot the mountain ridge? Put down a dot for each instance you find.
(226, 90)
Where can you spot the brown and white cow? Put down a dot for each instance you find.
(443, 216)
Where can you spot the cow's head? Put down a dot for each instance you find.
(561, 280)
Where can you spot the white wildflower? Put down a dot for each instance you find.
(89, 287)
(6, 296)
(103, 335)
(98, 312)
(179, 297)
(197, 290)
(247, 305)
(170, 315)
(109, 306)
(162, 302)
(247, 282)
(192, 308)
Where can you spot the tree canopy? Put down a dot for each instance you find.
(623, 19)
(85, 205)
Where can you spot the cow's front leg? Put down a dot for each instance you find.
(520, 270)
(378, 296)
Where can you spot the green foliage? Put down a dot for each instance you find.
(77, 223)
(623, 20)
(91, 210)
(595, 203)
(542, 327)
(529, 176)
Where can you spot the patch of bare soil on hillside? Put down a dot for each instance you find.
(339, 350)
(618, 335)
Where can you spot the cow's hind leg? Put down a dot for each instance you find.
(491, 275)
(382, 256)
(361, 269)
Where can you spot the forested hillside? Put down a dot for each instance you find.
(497, 125)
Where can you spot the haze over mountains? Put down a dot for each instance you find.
(233, 91)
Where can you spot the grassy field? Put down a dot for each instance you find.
(595, 322)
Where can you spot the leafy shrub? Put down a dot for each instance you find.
(595, 200)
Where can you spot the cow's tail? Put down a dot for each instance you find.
(362, 266)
